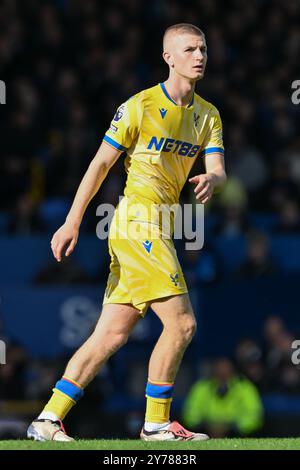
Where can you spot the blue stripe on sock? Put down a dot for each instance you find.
(69, 389)
(159, 391)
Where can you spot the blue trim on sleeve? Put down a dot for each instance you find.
(69, 389)
(114, 144)
(159, 391)
(212, 150)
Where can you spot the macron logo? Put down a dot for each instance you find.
(147, 245)
(163, 112)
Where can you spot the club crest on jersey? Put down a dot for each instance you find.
(119, 113)
(196, 119)
(174, 278)
(163, 112)
(147, 245)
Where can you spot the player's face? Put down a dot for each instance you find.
(189, 56)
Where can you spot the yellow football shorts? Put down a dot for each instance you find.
(144, 265)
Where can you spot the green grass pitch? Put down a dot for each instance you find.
(102, 444)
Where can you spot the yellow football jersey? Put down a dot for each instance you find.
(162, 141)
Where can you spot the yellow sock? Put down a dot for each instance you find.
(59, 404)
(158, 409)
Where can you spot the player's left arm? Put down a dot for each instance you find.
(213, 154)
(214, 177)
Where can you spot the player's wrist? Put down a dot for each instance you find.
(217, 179)
(73, 223)
(213, 178)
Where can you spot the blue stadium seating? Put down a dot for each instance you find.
(24, 257)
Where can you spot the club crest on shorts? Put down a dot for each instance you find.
(174, 278)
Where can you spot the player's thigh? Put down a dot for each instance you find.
(116, 319)
(175, 311)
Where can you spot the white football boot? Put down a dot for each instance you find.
(47, 430)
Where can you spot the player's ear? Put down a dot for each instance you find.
(168, 59)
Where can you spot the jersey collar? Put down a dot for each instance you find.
(162, 85)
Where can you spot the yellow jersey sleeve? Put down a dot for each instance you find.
(124, 127)
(213, 142)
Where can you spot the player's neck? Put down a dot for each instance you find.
(181, 91)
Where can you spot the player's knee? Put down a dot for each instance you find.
(117, 340)
(188, 330)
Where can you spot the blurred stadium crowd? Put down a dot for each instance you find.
(68, 64)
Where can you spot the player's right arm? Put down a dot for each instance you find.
(65, 239)
(119, 137)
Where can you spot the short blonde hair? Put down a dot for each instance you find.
(182, 28)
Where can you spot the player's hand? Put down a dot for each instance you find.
(64, 241)
(205, 185)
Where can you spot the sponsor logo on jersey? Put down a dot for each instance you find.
(179, 147)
